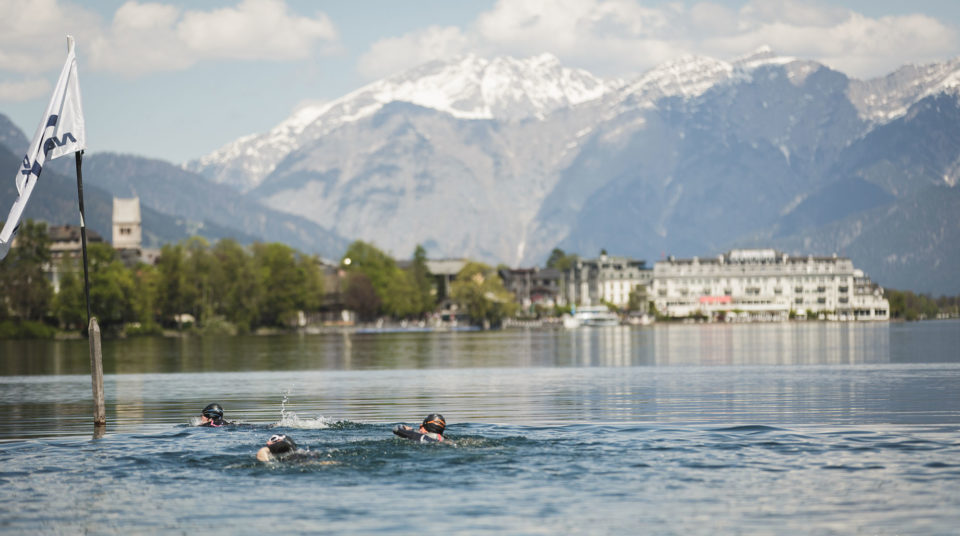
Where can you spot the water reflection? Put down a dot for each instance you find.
(773, 344)
(814, 343)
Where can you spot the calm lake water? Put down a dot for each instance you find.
(816, 428)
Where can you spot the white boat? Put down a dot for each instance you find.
(596, 315)
(570, 322)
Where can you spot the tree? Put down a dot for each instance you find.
(146, 283)
(559, 260)
(360, 297)
(281, 281)
(23, 284)
(420, 275)
(396, 288)
(111, 286)
(198, 263)
(173, 282)
(909, 306)
(637, 302)
(480, 291)
(69, 305)
(313, 291)
(235, 289)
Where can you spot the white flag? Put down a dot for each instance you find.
(61, 131)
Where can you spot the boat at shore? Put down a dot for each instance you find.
(592, 316)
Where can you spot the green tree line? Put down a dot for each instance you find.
(224, 287)
(228, 285)
(906, 305)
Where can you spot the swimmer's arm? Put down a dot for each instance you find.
(264, 454)
(405, 431)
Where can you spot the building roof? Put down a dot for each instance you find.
(752, 256)
(71, 233)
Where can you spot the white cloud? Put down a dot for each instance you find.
(141, 39)
(33, 34)
(850, 42)
(147, 37)
(144, 37)
(24, 90)
(391, 55)
(604, 35)
(621, 37)
(255, 29)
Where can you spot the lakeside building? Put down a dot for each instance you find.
(534, 286)
(128, 233)
(764, 284)
(66, 251)
(127, 229)
(606, 279)
(444, 272)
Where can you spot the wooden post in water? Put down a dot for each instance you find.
(96, 373)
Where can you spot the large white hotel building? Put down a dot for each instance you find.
(764, 284)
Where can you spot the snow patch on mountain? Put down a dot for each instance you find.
(887, 98)
(466, 88)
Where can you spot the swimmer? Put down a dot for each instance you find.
(282, 448)
(278, 446)
(431, 429)
(212, 416)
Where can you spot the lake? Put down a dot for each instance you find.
(790, 428)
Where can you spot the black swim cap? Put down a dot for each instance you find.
(434, 423)
(279, 444)
(213, 411)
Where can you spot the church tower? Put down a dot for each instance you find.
(126, 224)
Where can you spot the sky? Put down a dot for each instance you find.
(178, 79)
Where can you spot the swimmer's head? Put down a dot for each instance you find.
(280, 444)
(434, 423)
(213, 411)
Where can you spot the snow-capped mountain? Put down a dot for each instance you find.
(467, 88)
(887, 98)
(503, 160)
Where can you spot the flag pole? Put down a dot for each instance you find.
(83, 233)
(93, 329)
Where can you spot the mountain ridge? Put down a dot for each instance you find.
(693, 157)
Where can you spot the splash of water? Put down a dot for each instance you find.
(289, 419)
(283, 404)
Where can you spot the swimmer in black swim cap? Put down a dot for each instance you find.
(212, 416)
(277, 446)
(431, 429)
